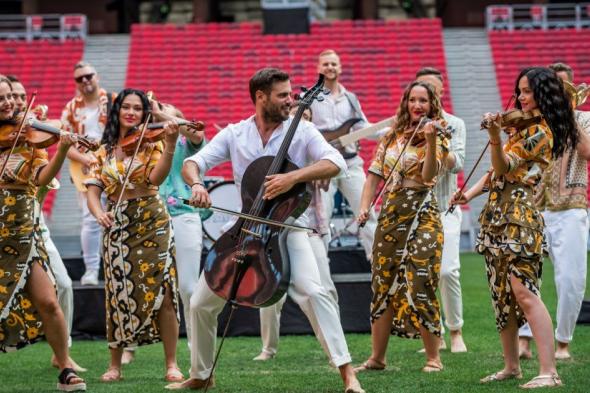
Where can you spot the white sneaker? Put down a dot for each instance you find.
(90, 278)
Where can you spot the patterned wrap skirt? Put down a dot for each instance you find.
(407, 254)
(139, 268)
(21, 246)
(512, 241)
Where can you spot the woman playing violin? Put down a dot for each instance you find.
(408, 241)
(511, 236)
(63, 282)
(138, 249)
(29, 308)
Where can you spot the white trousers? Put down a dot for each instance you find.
(352, 188)
(65, 293)
(90, 235)
(270, 317)
(188, 238)
(449, 284)
(567, 237)
(305, 289)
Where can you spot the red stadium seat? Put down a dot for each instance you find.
(49, 75)
(210, 83)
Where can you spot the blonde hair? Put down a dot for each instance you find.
(327, 52)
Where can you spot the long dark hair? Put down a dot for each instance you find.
(110, 137)
(554, 104)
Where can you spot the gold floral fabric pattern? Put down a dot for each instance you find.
(510, 222)
(407, 254)
(23, 166)
(410, 164)
(21, 246)
(108, 173)
(511, 236)
(529, 153)
(139, 269)
(499, 269)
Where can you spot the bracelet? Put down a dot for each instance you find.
(169, 152)
(199, 183)
(495, 143)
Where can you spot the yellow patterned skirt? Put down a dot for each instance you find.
(511, 240)
(21, 246)
(407, 253)
(139, 268)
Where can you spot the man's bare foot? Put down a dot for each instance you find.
(562, 352)
(77, 368)
(524, 348)
(191, 383)
(457, 343)
(264, 356)
(127, 357)
(351, 383)
(443, 345)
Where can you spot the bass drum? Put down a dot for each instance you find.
(225, 195)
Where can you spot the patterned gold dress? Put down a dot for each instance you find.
(407, 250)
(138, 251)
(511, 236)
(21, 246)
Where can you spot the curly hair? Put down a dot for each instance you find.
(110, 137)
(554, 104)
(403, 116)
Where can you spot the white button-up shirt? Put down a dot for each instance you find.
(241, 144)
(333, 111)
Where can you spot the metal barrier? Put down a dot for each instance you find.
(48, 26)
(538, 16)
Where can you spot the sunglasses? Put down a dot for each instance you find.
(81, 78)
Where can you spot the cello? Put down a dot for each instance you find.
(249, 264)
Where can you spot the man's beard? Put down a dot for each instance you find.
(88, 90)
(274, 114)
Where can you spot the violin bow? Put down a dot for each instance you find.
(128, 169)
(390, 177)
(453, 206)
(18, 134)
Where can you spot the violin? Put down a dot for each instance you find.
(154, 133)
(515, 118)
(37, 134)
(419, 139)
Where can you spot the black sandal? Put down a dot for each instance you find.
(65, 377)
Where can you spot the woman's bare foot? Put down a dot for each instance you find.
(112, 374)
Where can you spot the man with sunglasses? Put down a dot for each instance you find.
(86, 114)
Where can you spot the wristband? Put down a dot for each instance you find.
(199, 183)
(495, 143)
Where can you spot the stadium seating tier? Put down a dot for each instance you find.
(204, 69)
(44, 67)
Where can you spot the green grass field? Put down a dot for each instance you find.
(301, 366)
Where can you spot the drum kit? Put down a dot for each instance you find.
(224, 193)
